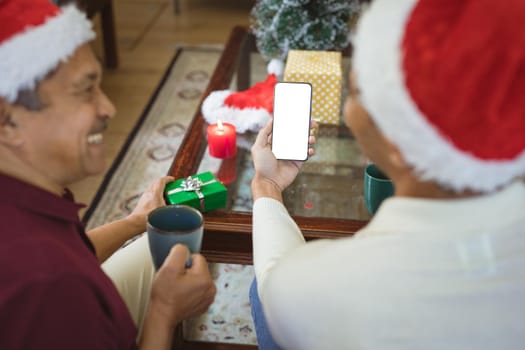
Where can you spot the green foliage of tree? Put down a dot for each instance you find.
(282, 25)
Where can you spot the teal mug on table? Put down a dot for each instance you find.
(173, 224)
(377, 187)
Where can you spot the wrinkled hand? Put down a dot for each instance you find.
(152, 198)
(179, 292)
(267, 168)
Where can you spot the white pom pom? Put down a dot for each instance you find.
(276, 66)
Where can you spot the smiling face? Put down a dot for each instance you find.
(63, 141)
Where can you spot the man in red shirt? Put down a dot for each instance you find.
(53, 292)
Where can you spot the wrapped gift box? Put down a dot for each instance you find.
(202, 191)
(323, 70)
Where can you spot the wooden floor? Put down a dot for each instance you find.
(148, 32)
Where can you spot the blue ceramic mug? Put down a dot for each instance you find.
(173, 224)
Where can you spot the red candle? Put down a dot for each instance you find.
(222, 140)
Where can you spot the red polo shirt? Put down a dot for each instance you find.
(53, 293)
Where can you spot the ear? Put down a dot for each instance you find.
(9, 131)
(396, 157)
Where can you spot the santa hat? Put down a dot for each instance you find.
(35, 36)
(247, 110)
(444, 81)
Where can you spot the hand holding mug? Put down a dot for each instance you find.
(179, 292)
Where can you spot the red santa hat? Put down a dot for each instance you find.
(35, 36)
(248, 110)
(444, 81)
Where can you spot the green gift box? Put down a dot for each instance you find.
(202, 191)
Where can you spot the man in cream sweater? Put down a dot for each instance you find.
(436, 102)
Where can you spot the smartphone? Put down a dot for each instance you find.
(292, 106)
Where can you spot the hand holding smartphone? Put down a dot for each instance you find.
(291, 120)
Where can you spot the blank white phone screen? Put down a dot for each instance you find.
(291, 120)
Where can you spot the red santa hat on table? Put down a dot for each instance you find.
(35, 36)
(248, 110)
(444, 81)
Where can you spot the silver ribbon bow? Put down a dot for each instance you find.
(190, 184)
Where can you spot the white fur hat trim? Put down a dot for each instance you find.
(252, 119)
(27, 57)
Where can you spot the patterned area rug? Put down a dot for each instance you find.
(146, 156)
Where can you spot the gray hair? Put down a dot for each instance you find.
(29, 99)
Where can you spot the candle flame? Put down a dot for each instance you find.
(219, 125)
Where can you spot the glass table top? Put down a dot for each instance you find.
(329, 185)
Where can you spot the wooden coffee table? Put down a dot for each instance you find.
(326, 198)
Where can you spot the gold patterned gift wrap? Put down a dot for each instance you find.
(322, 69)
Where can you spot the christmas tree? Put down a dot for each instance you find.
(282, 25)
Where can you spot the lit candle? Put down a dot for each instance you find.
(222, 140)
